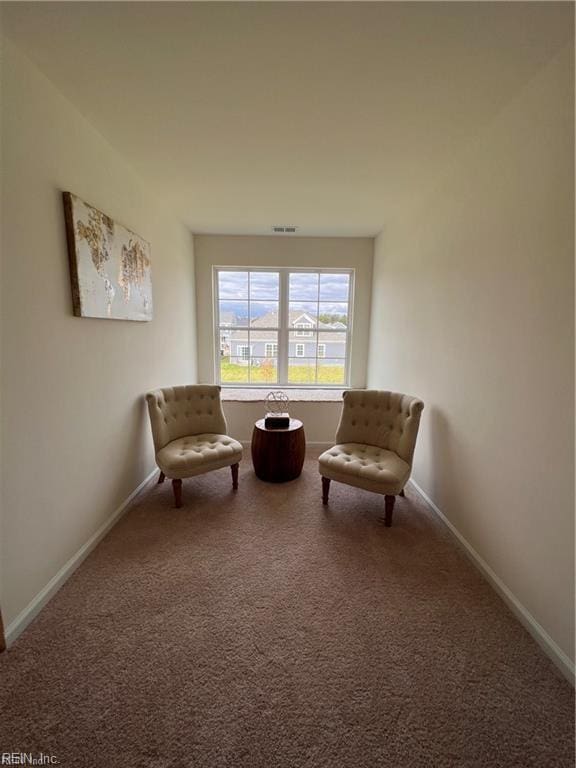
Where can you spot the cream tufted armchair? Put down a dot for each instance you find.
(375, 444)
(189, 431)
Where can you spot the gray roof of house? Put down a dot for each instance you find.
(227, 318)
(270, 320)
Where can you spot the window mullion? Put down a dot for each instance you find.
(249, 334)
(283, 323)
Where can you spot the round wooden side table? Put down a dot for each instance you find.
(278, 454)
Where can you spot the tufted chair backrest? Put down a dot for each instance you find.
(181, 411)
(386, 419)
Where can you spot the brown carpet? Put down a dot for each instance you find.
(257, 630)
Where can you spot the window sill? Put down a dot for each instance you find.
(258, 395)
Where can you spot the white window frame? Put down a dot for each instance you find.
(267, 346)
(321, 350)
(300, 350)
(284, 328)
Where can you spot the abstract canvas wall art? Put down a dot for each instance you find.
(109, 265)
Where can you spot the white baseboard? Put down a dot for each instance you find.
(548, 645)
(19, 624)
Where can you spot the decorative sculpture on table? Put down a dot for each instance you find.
(277, 416)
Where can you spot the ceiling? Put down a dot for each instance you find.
(325, 115)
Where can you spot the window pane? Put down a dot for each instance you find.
(232, 285)
(331, 371)
(334, 287)
(303, 286)
(264, 314)
(234, 370)
(333, 314)
(233, 313)
(231, 341)
(334, 343)
(302, 315)
(239, 344)
(264, 370)
(301, 370)
(263, 344)
(235, 356)
(224, 348)
(264, 285)
(302, 345)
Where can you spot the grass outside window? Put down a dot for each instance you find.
(266, 372)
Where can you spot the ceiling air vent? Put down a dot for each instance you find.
(284, 229)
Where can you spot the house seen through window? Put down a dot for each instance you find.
(282, 326)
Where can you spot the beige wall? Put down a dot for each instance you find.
(320, 420)
(284, 251)
(473, 312)
(75, 436)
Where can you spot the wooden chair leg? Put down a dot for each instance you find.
(234, 468)
(325, 490)
(2, 637)
(177, 488)
(402, 493)
(388, 510)
(161, 477)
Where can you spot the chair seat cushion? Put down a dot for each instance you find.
(196, 454)
(365, 466)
